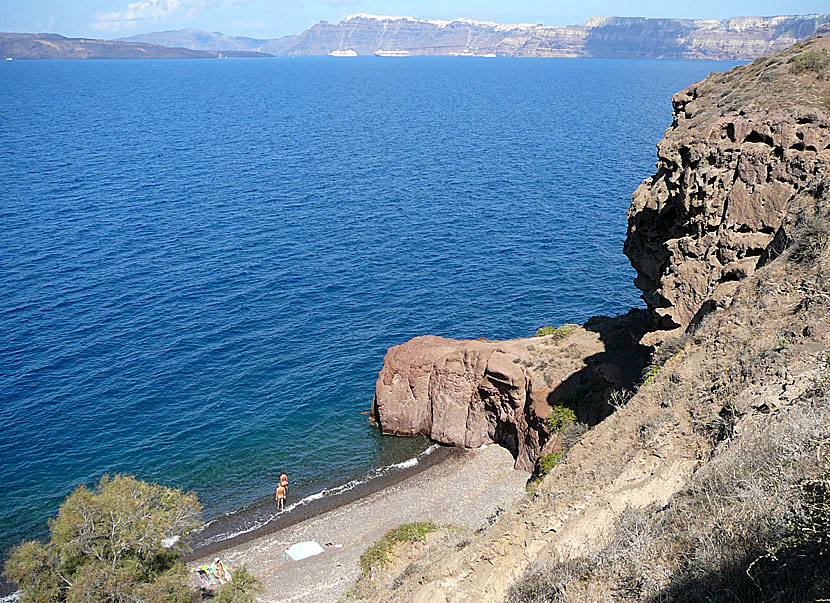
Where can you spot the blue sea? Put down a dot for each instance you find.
(202, 263)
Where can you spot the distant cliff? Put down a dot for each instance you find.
(54, 46)
(740, 38)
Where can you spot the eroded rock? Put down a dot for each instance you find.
(728, 170)
(474, 392)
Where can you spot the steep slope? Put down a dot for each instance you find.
(713, 482)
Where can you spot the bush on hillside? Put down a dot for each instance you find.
(377, 555)
(545, 583)
(242, 588)
(558, 332)
(811, 235)
(118, 542)
(815, 60)
(560, 418)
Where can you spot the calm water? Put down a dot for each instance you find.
(202, 263)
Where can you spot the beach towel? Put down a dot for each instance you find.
(301, 550)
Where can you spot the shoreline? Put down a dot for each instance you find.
(463, 488)
(299, 511)
(314, 504)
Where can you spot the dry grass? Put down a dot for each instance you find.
(753, 524)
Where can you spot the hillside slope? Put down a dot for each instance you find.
(713, 482)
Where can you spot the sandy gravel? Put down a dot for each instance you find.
(463, 490)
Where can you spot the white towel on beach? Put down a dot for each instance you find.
(301, 550)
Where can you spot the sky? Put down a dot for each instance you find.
(274, 18)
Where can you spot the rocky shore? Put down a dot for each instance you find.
(718, 451)
(714, 458)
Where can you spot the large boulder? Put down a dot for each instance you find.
(474, 392)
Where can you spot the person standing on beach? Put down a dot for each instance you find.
(280, 496)
(282, 490)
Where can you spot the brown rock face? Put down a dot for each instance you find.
(469, 393)
(728, 169)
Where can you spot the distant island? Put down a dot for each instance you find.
(54, 46)
(740, 38)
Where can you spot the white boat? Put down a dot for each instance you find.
(392, 53)
(343, 53)
(9, 59)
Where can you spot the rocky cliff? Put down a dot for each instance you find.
(620, 37)
(728, 169)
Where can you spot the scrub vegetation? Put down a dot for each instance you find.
(558, 332)
(120, 541)
(816, 61)
(377, 555)
(108, 544)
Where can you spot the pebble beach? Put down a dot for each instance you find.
(462, 490)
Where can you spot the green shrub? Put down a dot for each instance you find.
(558, 332)
(243, 587)
(549, 461)
(377, 555)
(650, 374)
(815, 60)
(546, 330)
(560, 418)
(108, 544)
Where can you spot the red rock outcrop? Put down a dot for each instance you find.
(469, 393)
(728, 169)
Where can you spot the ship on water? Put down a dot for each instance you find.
(392, 53)
(343, 53)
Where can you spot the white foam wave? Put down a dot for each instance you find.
(325, 492)
(12, 598)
